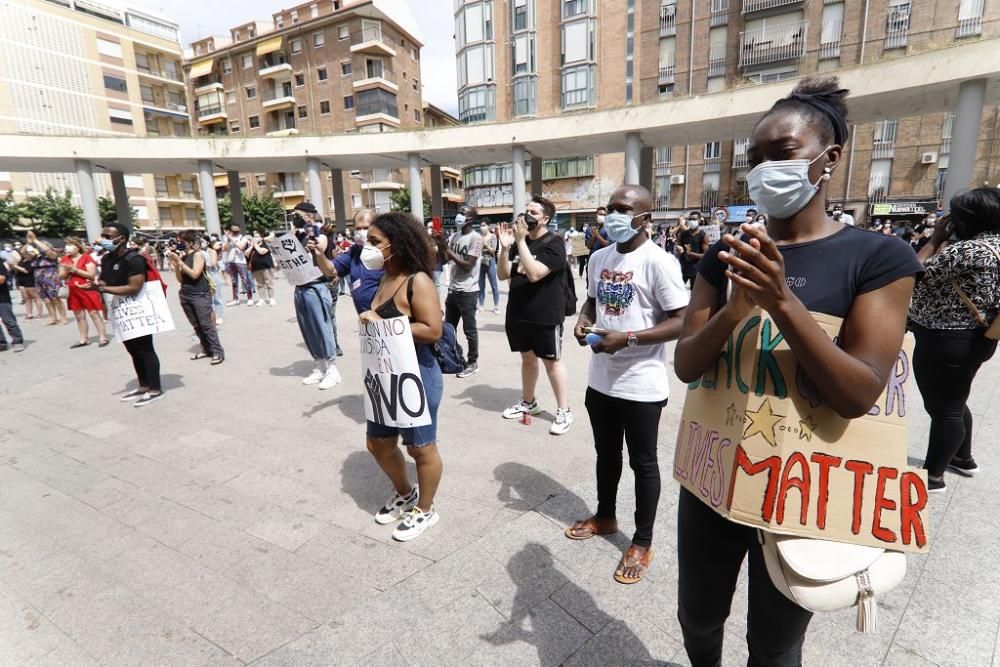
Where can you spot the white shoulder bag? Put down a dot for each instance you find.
(821, 575)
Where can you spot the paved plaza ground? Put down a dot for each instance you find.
(231, 522)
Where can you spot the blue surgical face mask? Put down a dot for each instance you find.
(459, 220)
(108, 244)
(781, 188)
(619, 227)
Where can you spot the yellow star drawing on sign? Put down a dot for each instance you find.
(764, 422)
(808, 426)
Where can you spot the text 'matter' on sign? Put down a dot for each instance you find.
(143, 314)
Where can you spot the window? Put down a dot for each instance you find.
(166, 215)
(261, 180)
(251, 92)
(294, 16)
(568, 167)
(254, 122)
(321, 74)
(115, 83)
(237, 36)
(879, 178)
(524, 96)
(230, 97)
(573, 8)
(416, 115)
(247, 60)
(300, 80)
(520, 15)
(343, 31)
(970, 17)
(234, 126)
(191, 215)
(303, 111)
(474, 24)
(713, 150)
(146, 92)
(109, 48)
(577, 42)
(181, 129)
(413, 53)
(376, 100)
(475, 65)
(324, 107)
(161, 185)
(897, 24)
(227, 66)
(356, 200)
(578, 87)
(319, 38)
(476, 104)
(349, 102)
(296, 45)
(490, 174)
(313, 11)
(415, 85)
(373, 68)
(523, 60)
(119, 117)
(345, 69)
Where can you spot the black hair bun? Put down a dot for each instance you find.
(825, 88)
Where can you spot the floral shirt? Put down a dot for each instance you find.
(974, 266)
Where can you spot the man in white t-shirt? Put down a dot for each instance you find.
(635, 299)
(840, 216)
(234, 248)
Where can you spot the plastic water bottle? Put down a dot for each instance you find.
(593, 339)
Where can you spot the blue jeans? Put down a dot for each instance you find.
(10, 322)
(488, 269)
(313, 309)
(334, 298)
(218, 301)
(239, 273)
(433, 381)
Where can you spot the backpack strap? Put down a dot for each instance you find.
(409, 292)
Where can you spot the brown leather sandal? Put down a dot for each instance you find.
(632, 559)
(586, 529)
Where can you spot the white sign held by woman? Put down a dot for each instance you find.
(394, 390)
(143, 314)
(293, 260)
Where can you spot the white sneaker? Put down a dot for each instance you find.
(234, 302)
(496, 311)
(330, 379)
(274, 302)
(260, 302)
(515, 411)
(564, 419)
(249, 302)
(314, 378)
(414, 524)
(396, 507)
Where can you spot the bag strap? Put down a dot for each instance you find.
(969, 304)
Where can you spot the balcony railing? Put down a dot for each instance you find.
(717, 60)
(719, 13)
(663, 169)
(205, 81)
(712, 164)
(277, 94)
(771, 45)
(970, 21)
(161, 73)
(750, 6)
(897, 29)
(829, 46)
(476, 114)
(666, 74)
(668, 20)
(209, 110)
(383, 73)
(661, 202)
(945, 147)
(272, 60)
(883, 149)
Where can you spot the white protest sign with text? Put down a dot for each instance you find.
(394, 390)
(293, 260)
(143, 314)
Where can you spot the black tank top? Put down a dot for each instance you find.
(190, 285)
(389, 309)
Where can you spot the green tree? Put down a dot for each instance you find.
(400, 201)
(261, 212)
(10, 215)
(53, 215)
(106, 208)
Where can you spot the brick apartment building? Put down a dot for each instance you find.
(528, 58)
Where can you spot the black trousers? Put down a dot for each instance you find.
(147, 364)
(462, 306)
(710, 552)
(613, 419)
(944, 365)
(198, 310)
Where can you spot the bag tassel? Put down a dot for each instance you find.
(867, 605)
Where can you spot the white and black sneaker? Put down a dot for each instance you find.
(515, 411)
(414, 524)
(147, 398)
(564, 419)
(469, 370)
(133, 395)
(396, 507)
(965, 467)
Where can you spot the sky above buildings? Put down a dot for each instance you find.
(433, 19)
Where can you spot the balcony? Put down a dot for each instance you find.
(206, 84)
(883, 149)
(273, 66)
(829, 47)
(970, 18)
(663, 169)
(740, 159)
(897, 29)
(712, 164)
(376, 76)
(146, 71)
(215, 113)
(666, 75)
(945, 147)
(371, 40)
(719, 13)
(773, 45)
(278, 98)
(283, 132)
(751, 6)
(717, 60)
(668, 19)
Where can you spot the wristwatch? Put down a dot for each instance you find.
(633, 340)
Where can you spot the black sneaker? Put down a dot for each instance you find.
(471, 369)
(3, 347)
(936, 485)
(965, 467)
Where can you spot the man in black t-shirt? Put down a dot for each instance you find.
(535, 262)
(691, 246)
(7, 313)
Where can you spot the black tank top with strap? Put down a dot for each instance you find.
(389, 309)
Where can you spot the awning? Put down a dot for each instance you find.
(201, 68)
(904, 208)
(269, 46)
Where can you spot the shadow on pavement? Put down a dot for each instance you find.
(364, 481)
(167, 382)
(298, 369)
(495, 328)
(521, 485)
(489, 398)
(351, 406)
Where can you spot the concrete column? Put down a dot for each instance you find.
(416, 187)
(437, 206)
(209, 203)
(236, 199)
(964, 137)
(88, 198)
(123, 211)
(646, 167)
(633, 148)
(517, 177)
(339, 202)
(315, 185)
(536, 176)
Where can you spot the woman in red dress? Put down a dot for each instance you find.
(78, 267)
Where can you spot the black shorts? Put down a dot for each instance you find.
(543, 339)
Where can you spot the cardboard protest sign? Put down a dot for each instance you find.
(758, 445)
(713, 233)
(293, 260)
(394, 390)
(143, 314)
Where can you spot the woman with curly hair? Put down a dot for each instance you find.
(77, 267)
(398, 245)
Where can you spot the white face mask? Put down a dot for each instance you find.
(781, 188)
(361, 235)
(71, 250)
(371, 258)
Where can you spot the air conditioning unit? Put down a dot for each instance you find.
(677, 179)
(928, 158)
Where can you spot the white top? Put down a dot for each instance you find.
(634, 291)
(847, 218)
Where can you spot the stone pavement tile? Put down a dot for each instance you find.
(452, 577)
(370, 561)
(219, 547)
(174, 524)
(105, 492)
(204, 438)
(138, 507)
(149, 564)
(531, 577)
(30, 638)
(544, 635)
(450, 634)
(939, 626)
(283, 527)
(104, 430)
(284, 491)
(595, 599)
(902, 657)
(619, 643)
(350, 637)
(387, 656)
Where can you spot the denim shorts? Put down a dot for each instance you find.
(417, 436)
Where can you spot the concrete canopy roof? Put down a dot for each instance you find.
(905, 86)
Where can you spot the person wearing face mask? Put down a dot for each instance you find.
(46, 274)
(349, 266)
(213, 269)
(691, 246)
(636, 294)
(189, 267)
(464, 251)
(261, 265)
(314, 311)
(595, 238)
(760, 221)
(123, 273)
(25, 270)
(7, 317)
(802, 262)
(77, 267)
(839, 215)
(235, 247)
(534, 260)
(488, 268)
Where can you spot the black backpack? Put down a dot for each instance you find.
(569, 286)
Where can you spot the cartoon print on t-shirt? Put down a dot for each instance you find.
(615, 291)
